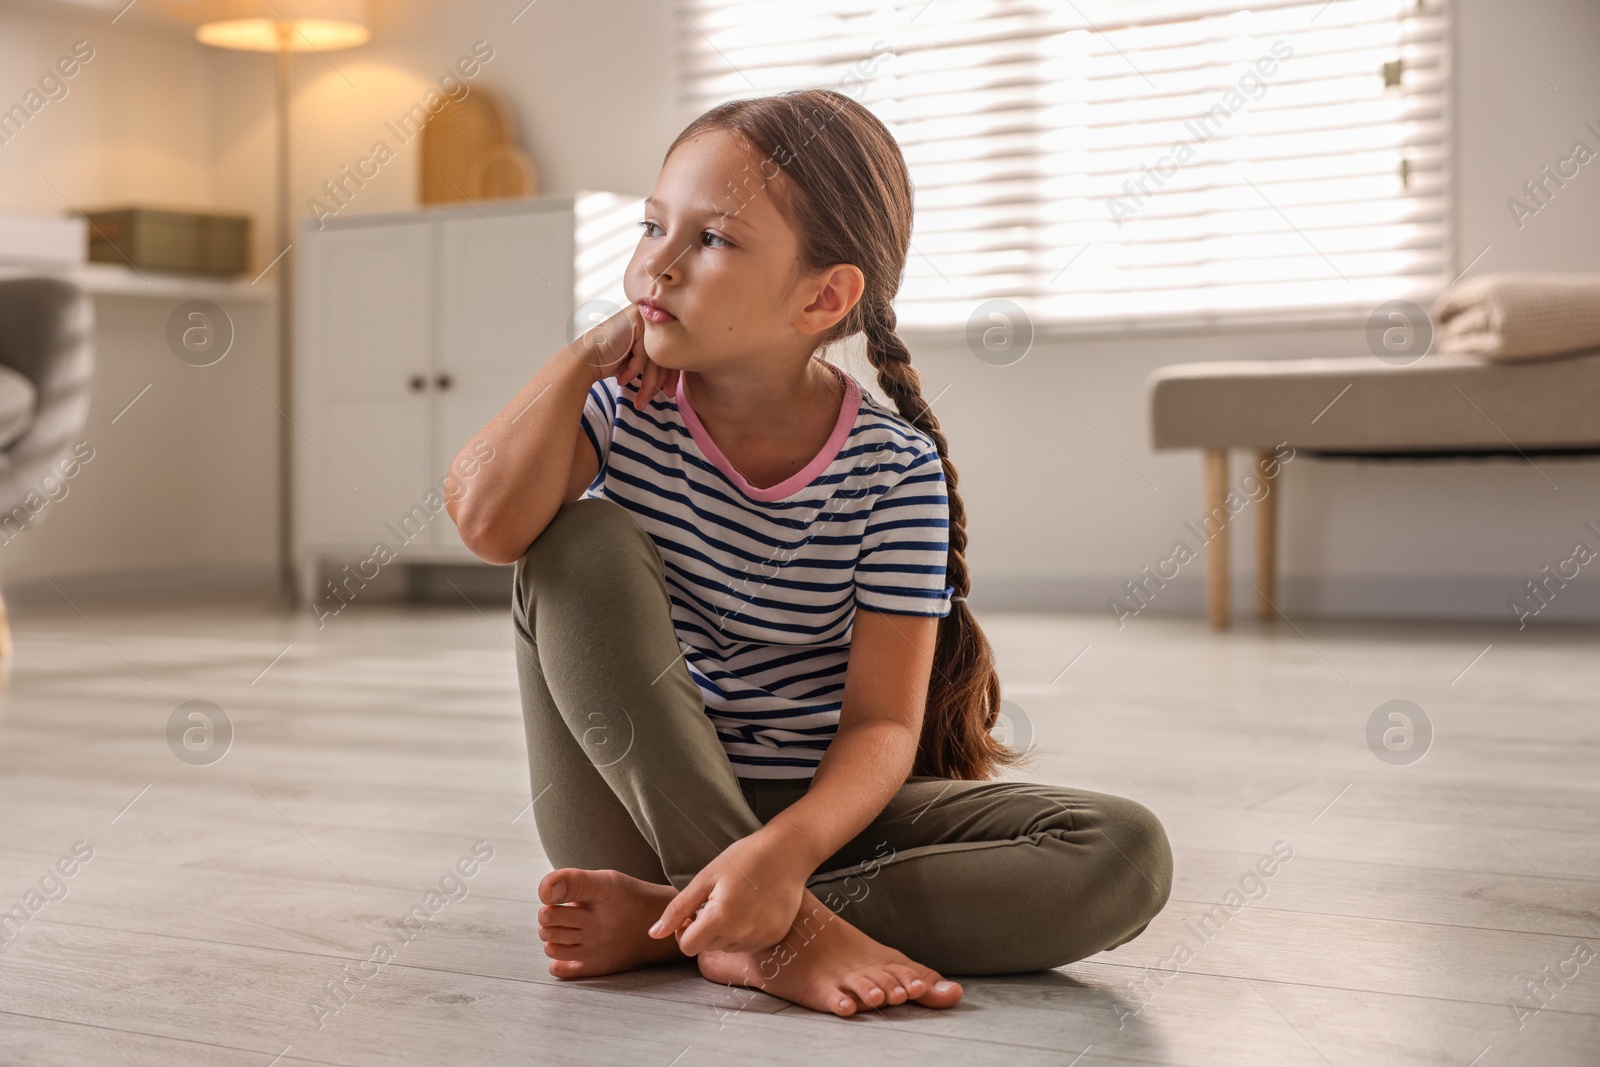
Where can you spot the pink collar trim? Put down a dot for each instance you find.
(848, 410)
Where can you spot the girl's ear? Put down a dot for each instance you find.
(836, 291)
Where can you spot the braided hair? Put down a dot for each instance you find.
(837, 174)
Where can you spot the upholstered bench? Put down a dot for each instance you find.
(1443, 406)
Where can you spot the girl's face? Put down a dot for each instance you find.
(717, 271)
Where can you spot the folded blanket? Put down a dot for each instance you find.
(1511, 317)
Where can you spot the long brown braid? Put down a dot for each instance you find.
(836, 172)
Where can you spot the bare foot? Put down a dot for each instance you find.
(596, 922)
(826, 964)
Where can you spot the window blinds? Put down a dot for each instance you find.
(1132, 163)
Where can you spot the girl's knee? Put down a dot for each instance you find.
(1138, 852)
(1120, 883)
(575, 549)
(578, 531)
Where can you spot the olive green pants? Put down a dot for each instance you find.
(965, 877)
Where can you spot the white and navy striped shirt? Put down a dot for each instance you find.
(764, 583)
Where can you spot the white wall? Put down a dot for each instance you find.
(181, 492)
(1058, 516)
(135, 122)
(589, 87)
(1359, 538)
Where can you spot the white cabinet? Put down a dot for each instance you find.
(502, 311)
(413, 330)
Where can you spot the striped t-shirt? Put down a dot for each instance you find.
(764, 583)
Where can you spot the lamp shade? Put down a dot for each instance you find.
(301, 25)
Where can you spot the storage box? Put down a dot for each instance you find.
(170, 240)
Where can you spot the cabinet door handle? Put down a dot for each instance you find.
(444, 381)
(418, 383)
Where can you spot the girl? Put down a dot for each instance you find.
(757, 705)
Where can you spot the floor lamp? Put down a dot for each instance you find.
(286, 27)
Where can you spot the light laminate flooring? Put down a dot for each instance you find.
(1423, 902)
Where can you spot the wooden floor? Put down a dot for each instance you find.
(221, 900)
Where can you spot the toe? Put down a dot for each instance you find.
(565, 969)
(575, 885)
(894, 989)
(910, 979)
(841, 1001)
(557, 886)
(562, 915)
(569, 953)
(941, 992)
(865, 989)
(560, 935)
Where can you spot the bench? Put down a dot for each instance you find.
(1361, 407)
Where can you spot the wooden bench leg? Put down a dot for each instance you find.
(1216, 479)
(7, 650)
(1267, 537)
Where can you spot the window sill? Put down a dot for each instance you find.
(1186, 324)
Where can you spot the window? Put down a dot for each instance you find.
(1127, 164)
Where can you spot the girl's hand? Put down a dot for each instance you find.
(603, 347)
(616, 348)
(745, 900)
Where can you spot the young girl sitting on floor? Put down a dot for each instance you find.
(757, 705)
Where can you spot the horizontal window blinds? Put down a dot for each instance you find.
(1130, 163)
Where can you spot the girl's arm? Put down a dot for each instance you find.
(747, 898)
(540, 457)
(871, 756)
